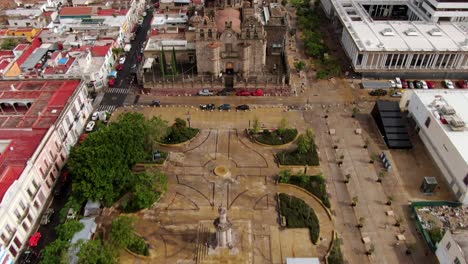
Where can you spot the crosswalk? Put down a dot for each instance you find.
(108, 108)
(117, 90)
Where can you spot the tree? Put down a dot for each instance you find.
(56, 252)
(95, 252)
(390, 200)
(148, 188)
(355, 200)
(122, 231)
(285, 176)
(284, 2)
(347, 177)
(9, 44)
(157, 129)
(117, 51)
(398, 221)
(361, 222)
(66, 230)
(299, 65)
(381, 176)
(282, 126)
(256, 125)
(179, 123)
(435, 233)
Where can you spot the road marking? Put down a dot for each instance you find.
(118, 90)
(107, 108)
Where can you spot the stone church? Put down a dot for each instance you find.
(229, 39)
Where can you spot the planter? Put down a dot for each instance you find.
(268, 145)
(181, 143)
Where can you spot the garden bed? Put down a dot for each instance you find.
(299, 215)
(313, 184)
(138, 246)
(275, 137)
(294, 157)
(177, 135)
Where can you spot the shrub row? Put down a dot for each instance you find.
(276, 137)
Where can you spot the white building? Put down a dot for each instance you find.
(441, 117)
(402, 37)
(453, 248)
(26, 17)
(44, 120)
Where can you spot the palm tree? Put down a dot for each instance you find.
(398, 221)
(380, 176)
(370, 250)
(347, 177)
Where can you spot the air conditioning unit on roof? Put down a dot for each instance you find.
(455, 123)
(448, 110)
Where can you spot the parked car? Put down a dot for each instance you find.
(205, 92)
(398, 83)
(417, 84)
(156, 103)
(139, 58)
(225, 107)
(424, 84)
(462, 84)
(392, 84)
(243, 93)
(404, 84)
(90, 126)
(71, 214)
(222, 93)
(258, 92)
(122, 60)
(95, 116)
(243, 107)
(47, 216)
(410, 85)
(449, 84)
(431, 84)
(119, 67)
(207, 107)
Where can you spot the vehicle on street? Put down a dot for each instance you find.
(410, 85)
(449, 84)
(243, 107)
(119, 67)
(47, 216)
(417, 84)
(462, 84)
(156, 103)
(122, 60)
(205, 92)
(111, 82)
(144, 13)
(29, 256)
(398, 83)
(243, 93)
(397, 94)
(207, 107)
(424, 84)
(224, 107)
(392, 84)
(431, 84)
(258, 92)
(222, 93)
(95, 116)
(404, 84)
(90, 126)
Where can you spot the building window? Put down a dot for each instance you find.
(465, 180)
(36, 205)
(18, 215)
(12, 249)
(29, 193)
(34, 183)
(448, 246)
(428, 122)
(17, 242)
(8, 229)
(42, 172)
(3, 237)
(22, 205)
(25, 226)
(456, 261)
(29, 218)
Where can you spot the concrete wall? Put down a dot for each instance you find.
(448, 256)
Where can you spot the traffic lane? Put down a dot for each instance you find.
(116, 99)
(218, 100)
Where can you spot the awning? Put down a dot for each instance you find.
(148, 63)
(113, 74)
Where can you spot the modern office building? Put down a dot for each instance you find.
(39, 122)
(440, 118)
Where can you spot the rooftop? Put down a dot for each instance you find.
(76, 11)
(458, 99)
(462, 240)
(38, 104)
(224, 16)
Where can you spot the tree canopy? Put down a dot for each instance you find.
(122, 231)
(96, 252)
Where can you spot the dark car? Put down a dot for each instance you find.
(417, 84)
(156, 103)
(225, 107)
(242, 107)
(404, 84)
(207, 107)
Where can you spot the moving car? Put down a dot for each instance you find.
(404, 84)
(207, 107)
(119, 67)
(462, 84)
(398, 83)
(225, 107)
(258, 92)
(392, 84)
(242, 107)
(243, 93)
(156, 103)
(424, 84)
(122, 60)
(90, 126)
(449, 84)
(205, 92)
(95, 116)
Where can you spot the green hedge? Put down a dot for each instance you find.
(336, 256)
(314, 184)
(310, 158)
(178, 135)
(139, 246)
(299, 215)
(276, 137)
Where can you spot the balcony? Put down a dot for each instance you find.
(26, 212)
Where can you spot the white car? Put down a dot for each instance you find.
(95, 116)
(424, 84)
(392, 84)
(449, 84)
(205, 92)
(122, 60)
(399, 85)
(90, 126)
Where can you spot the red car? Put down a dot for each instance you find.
(404, 84)
(111, 82)
(139, 58)
(431, 84)
(462, 84)
(258, 92)
(243, 93)
(34, 239)
(120, 67)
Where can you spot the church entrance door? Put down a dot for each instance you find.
(229, 68)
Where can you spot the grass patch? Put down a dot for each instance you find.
(299, 215)
(139, 246)
(178, 135)
(313, 184)
(275, 137)
(297, 158)
(336, 256)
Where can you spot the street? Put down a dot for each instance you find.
(115, 97)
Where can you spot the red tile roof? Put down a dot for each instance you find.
(48, 13)
(34, 45)
(21, 47)
(76, 11)
(111, 11)
(100, 51)
(26, 129)
(6, 53)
